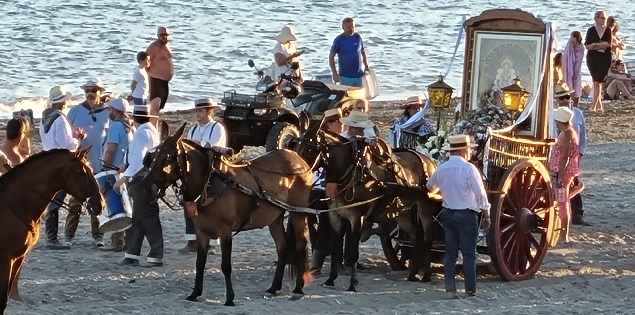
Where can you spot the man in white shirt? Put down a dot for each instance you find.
(56, 133)
(145, 209)
(464, 197)
(208, 133)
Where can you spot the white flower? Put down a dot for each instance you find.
(434, 151)
(432, 139)
(428, 144)
(441, 133)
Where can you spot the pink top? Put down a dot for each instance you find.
(574, 155)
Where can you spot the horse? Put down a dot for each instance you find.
(25, 191)
(255, 192)
(370, 186)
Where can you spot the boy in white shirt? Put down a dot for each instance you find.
(140, 85)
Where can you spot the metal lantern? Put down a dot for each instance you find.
(440, 94)
(514, 97)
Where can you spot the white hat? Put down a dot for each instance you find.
(205, 102)
(142, 111)
(458, 142)
(562, 90)
(119, 104)
(357, 119)
(95, 82)
(413, 100)
(286, 35)
(59, 94)
(563, 114)
(333, 112)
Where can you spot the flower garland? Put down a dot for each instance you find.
(490, 114)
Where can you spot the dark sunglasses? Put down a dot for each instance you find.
(164, 35)
(565, 97)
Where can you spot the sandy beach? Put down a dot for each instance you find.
(595, 274)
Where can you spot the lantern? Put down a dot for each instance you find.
(514, 97)
(440, 94)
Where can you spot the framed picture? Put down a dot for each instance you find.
(501, 57)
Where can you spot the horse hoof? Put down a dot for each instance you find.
(426, 279)
(413, 279)
(329, 284)
(351, 289)
(229, 303)
(296, 296)
(192, 297)
(269, 295)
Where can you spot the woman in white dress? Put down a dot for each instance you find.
(284, 53)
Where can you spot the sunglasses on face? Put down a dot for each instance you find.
(164, 35)
(565, 97)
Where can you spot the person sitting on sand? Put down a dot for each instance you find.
(17, 146)
(618, 82)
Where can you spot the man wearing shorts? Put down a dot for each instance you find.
(351, 56)
(161, 69)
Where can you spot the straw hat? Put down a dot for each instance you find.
(562, 90)
(286, 35)
(458, 142)
(95, 82)
(59, 94)
(413, 101)
(563, 115)
(142, 111)
(119, 104)
(333, 112)
(205, 102)
(357, 119)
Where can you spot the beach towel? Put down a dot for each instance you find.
(572, 67)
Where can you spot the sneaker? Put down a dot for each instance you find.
(470, 293)
(129, 262)
(452, 295)
(578, 220)
(55, 244)
(99, 242)
(190, 247)
(113, 248)
(68, 241)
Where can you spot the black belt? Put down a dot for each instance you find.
(466, 209)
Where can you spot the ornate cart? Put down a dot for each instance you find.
(503, 45)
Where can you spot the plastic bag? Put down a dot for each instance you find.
(370, 84)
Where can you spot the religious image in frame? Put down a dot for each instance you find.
(501, 57)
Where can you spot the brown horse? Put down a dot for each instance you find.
(25, 191)
(371, 186)
(279, 174)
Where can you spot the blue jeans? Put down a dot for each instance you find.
(351, 81)
(53, 206)
(461, 231)
(138, 101)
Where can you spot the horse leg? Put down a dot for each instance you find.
(5, 274)
(336, 247)
(300, 258)
(276, 229)
(225, 239)
(407, 223)
(16, 270)
(425, 212)
(201, 260)
(353, 253)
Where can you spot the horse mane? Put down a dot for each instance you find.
(34, 158)
(194, 145)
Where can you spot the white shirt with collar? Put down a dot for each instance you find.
(369, 133)
(60, 136)
(213, 133)
(145, 139)
(461, 185)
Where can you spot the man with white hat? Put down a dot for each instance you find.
(92, 116)
(461, 185)
(563, 96)
(145, 209)
(116, 145)
(208, 133)
(285, 53)
(358, 124)
(56, 133)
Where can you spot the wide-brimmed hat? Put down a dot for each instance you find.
(562, 90)
(357, 119)
(95, 82)
(458, 142)
(563, 114)
(142, 111)
(59, 94)
(120, 104)
(205, 102)
(333, 112)
(413, 101)
(286, 35)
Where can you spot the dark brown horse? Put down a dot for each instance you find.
(25, 192)
(279, 174)
(371, 186)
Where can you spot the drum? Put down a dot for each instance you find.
(117, 215)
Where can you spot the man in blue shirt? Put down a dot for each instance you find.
(351, 56)
(92, 116)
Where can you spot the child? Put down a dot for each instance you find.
(140, 84)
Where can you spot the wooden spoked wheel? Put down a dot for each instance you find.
(522, 220)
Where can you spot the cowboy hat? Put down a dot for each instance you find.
(95, 82)
(59, 94)
(412, 101)
(458, 142)
(205, 102)
(333, 112)
(120, 104)
(563, 115)
(286, 35)
(142, 111)
(562, 90)
(357, 119)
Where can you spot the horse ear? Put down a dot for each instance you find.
(179, 133)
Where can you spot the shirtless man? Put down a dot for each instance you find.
(161, 69)
(16, 147)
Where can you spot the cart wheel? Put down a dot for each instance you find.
(393, 250)
(522, 220)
